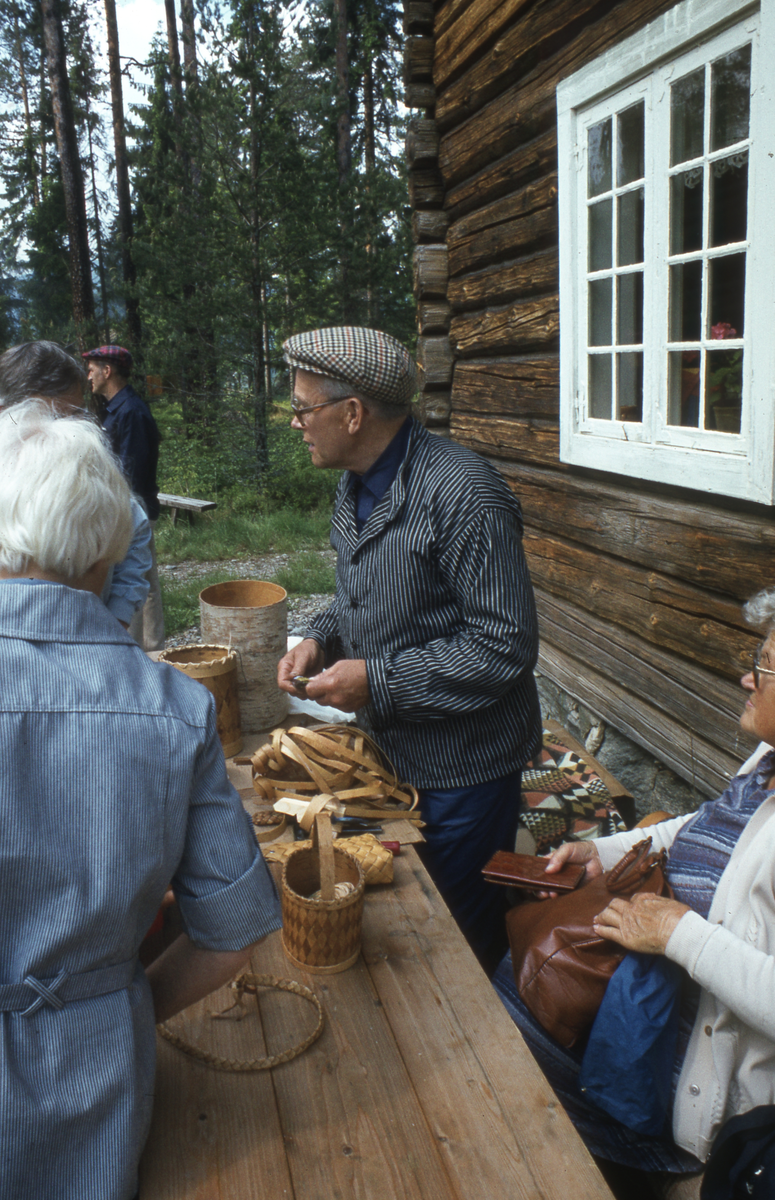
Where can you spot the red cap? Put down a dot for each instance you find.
(114, 354)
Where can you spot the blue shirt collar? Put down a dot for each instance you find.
(382, 473)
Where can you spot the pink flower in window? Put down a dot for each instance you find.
(721, 331)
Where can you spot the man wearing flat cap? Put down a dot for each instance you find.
(134, 437)
(432, 636)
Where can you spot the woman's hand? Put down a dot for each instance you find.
(643, 923)
(572, 852)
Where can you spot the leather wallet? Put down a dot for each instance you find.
(527, 871)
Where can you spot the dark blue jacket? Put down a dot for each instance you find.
(134, 436)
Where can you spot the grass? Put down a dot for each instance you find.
(306, 575)
(219, 535)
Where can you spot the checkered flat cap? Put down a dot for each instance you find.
(373, 362)
(113, 354)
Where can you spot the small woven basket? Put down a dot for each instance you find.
(322, 936)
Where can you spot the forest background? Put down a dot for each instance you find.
(256, 189)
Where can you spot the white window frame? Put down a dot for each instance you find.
(741, 465)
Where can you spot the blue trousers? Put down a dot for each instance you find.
(463, 829)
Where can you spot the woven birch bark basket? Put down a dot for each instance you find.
(322, 901)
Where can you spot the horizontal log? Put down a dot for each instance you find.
(418, 60)
(507, 227)
(426, 188)
(475, 28)
(422, 143)
(430, 266)
(516, 326)
(697, 624)
(471, 140)
(435, 408)
(505, 387)
(491, 285)
(430, 225)
(433, 316)
(434, 355)
(692, 757)
(447, 13)
(537, 158)
(702, 544)
(418, 16)
(530, 440)
(693, 696)
(419, 95)
(469, 79)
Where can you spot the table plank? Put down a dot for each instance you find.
(488, 1105)
(216, 1135)
(352, 1123)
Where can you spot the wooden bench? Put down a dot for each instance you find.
(186, 504)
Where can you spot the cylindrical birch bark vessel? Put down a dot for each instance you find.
(215, 667)
(250, 616)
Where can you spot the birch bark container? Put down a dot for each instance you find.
(250, 617)
(216, 668)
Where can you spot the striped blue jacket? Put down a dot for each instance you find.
(436, 596)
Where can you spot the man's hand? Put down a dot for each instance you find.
(345, 685)
(643, 923)
(305, 659)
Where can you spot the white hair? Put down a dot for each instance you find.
(760, 610)
(64, 501)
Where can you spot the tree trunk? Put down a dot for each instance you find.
(70, 166)
(26, 102)
(122, 180)
(369, 157)
(97, 226)
(343, 149)
(176, 79)
(256, 284)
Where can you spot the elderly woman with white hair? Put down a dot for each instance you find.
(719, 928)
(113, 785)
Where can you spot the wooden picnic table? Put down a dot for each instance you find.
(420, 1086)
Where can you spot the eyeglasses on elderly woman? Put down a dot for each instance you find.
(757, 670)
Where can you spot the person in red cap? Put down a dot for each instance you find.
(134, 436)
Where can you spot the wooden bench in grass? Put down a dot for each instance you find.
(186, 504)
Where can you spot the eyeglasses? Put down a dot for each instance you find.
(757, 671)
(299, 412)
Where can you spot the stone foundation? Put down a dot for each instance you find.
(653, 785)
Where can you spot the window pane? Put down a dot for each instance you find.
(630, 228)
(686, 302)
(727, 294)
(599, 152)
(600, 296)
(684, 388)
(600, 235)
(687, 117)
(629, 319)
(723, 390)
(600, 386)
(730, 98)
(629, 149)
(686, 211)
(729, 199)
(629, 386)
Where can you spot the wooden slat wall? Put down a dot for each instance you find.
(639, 587)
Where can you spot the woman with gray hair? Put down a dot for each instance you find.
(113, 786)
(45, 371)
(719, 928)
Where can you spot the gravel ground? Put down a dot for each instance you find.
(262, 566)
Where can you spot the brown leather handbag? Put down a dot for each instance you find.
(561, 966)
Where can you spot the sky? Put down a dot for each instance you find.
(138, 21)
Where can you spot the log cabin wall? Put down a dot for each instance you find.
(639, 586)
